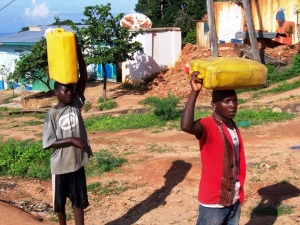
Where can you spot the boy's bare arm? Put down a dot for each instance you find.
(66, 142)
(187, 121)
(82, 70)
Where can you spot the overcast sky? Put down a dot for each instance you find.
(15, 14)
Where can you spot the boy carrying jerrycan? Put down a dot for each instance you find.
(64, 130)
(221, 188)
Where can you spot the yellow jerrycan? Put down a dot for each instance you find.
(223, 73)
(62, 58)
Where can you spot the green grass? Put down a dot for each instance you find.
(149, 120)
(282, 87)
(24, 159)
(130, 121)
(262, 116)
(278, 210)
(159, 149)
(110, 104)
(33, 123)
(102, 162)
(111, 188)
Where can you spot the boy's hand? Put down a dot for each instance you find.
(196, 83)
(79, 142)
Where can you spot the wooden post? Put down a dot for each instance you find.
(251, 31)
(213, 38)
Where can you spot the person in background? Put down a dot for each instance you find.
(65, 133)
(285, 30)
(221, 188)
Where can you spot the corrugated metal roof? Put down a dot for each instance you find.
(28, 37)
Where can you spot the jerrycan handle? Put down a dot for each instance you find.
(59, 30)
(200, 75)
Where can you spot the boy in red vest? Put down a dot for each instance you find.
(221, 189)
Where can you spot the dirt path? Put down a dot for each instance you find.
(164, 169)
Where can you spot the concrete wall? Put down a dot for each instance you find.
(162, 48)
(8, 55)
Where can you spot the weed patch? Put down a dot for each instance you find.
(24, 159)
(111, 188)
(103, 161)
(273, 210)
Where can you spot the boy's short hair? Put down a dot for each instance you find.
(219, 95)
(57, 85)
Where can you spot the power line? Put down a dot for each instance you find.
(7, 5)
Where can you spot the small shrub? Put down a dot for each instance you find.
(190, 38)
(100, 100)
(33, 123)
(103, 161)
(113, 187)
(24, 159)
(270, 210)
(110, 104)
(87, 106)
(165, 108)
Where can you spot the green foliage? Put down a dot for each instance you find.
(104, 40)
(111, 188)
(130, 121)
(3, 109)
(24, 159)
(32, 67)
(287, 73)
(24, 29)
(190, 38)
(173, 13)
(282, 87)
(159, 149)
(165, 108)
(107, 42)
(110, 104)
(261, 116)
(273, 210)
(33, 123)
(102, 162)
(87, 106)
(100, 100)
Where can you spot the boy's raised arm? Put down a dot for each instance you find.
(82, 70)
(187, 121)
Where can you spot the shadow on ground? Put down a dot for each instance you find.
(174, 176)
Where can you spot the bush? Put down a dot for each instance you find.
(190, 38)
(103, 161)
(165, 108)
(87, 106)
(110, 104)
(25, 159)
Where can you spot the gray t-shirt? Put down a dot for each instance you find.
(64, 123)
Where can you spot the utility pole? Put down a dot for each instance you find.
(251, 31)
(213, 38)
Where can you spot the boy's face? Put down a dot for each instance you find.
(226, 107)
(65, 93)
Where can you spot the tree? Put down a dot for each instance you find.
(173, 13)
(33, 66)
(103, 40)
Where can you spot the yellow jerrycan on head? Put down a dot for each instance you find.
(224, 73)
(62, 58)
